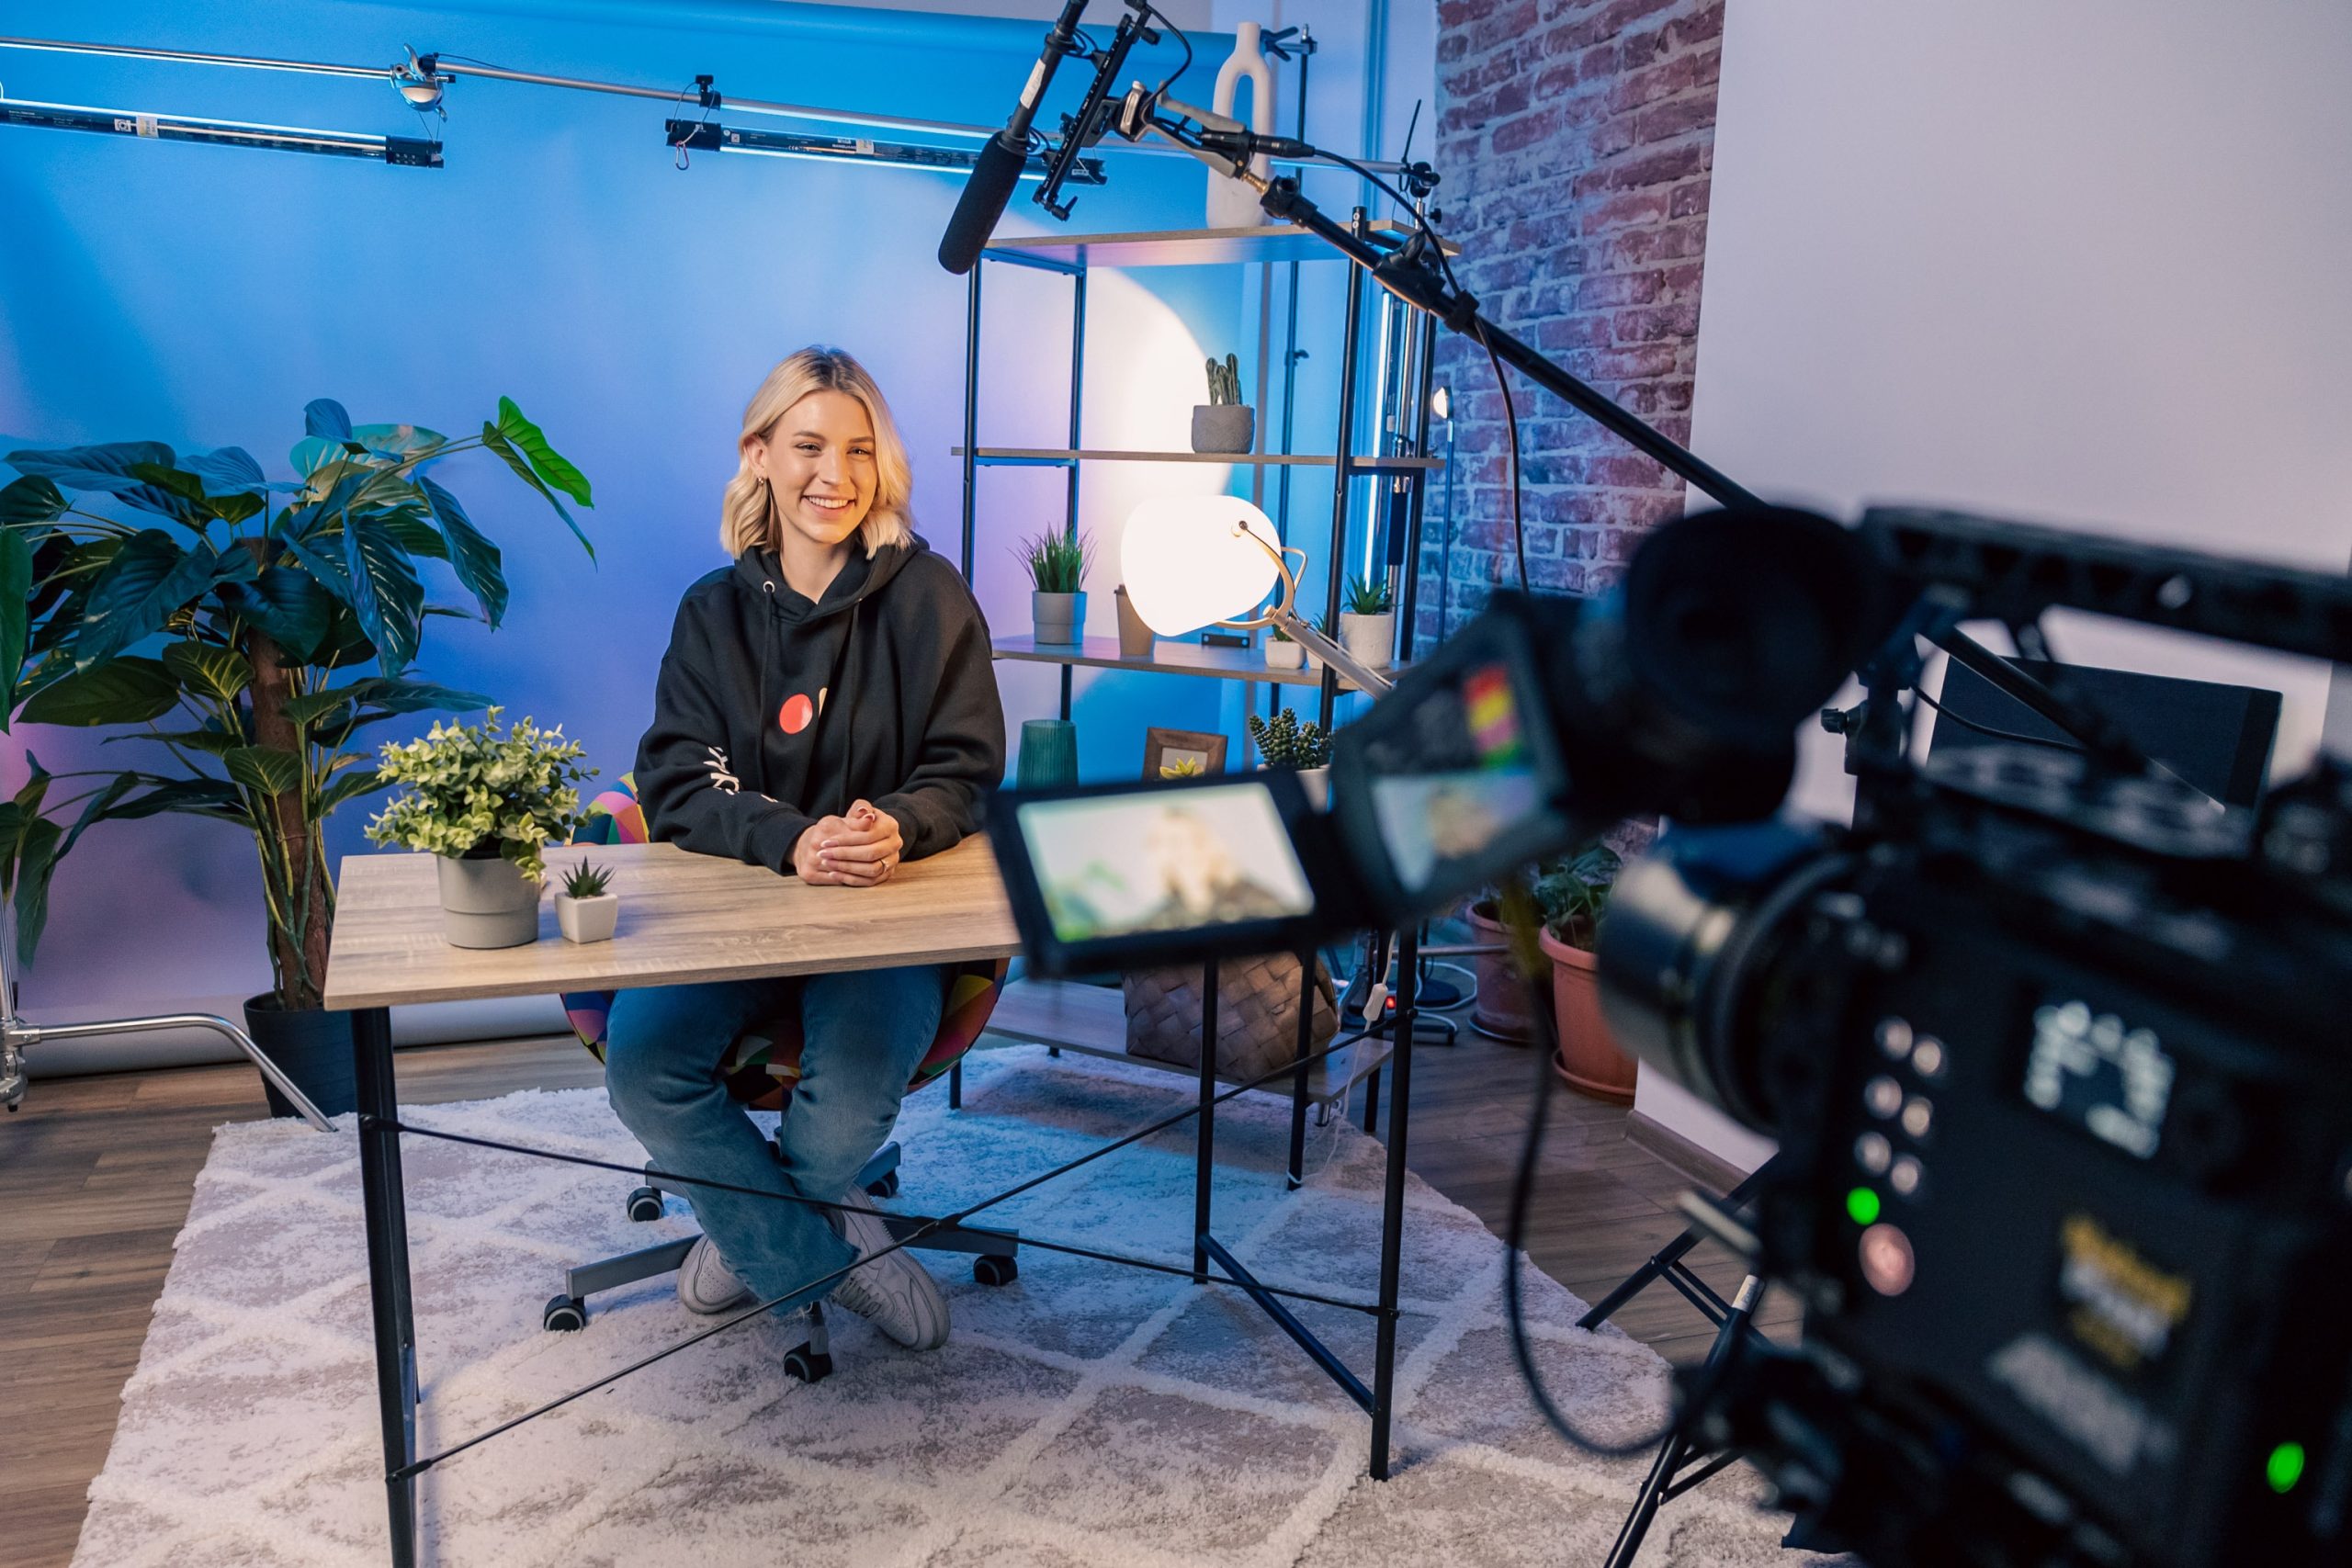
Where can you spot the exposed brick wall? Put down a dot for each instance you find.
(1574, 142)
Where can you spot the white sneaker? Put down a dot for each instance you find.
(893, 1293)
(705, 1282)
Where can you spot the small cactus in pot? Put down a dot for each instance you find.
(1224, 423)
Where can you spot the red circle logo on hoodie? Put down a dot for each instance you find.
(796, 714)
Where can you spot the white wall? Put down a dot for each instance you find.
(2087, 263)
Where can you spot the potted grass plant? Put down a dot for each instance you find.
(1368, 625)
(1224, 423)
(587, 909)
(487, 801)
(1057, 563)
(192, 602)
(1573, 894)
(1283, 652)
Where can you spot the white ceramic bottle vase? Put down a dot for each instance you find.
(1232, 204)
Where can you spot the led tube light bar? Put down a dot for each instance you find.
(709, 136)
(409, 152)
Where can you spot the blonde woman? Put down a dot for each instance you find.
(827, 710)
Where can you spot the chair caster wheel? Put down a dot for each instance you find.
(807, 1365)
(565, 1315)
(990, 1269)
(645, 1204)
(886, 1188)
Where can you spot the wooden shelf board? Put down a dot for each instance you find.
(1167, 658)
(1186, 247)
(1061, 457)
(1092, 1022)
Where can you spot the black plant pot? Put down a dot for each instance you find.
(312, 1047)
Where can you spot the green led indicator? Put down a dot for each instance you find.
(1863, 1204)
(2285, 1467)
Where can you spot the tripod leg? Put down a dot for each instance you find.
(1666, 1257)
(1661, 1484)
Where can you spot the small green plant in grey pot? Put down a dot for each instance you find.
(1224, 423)
(1368, 625)
(487, 802)
(1056, 564)
(587, 908)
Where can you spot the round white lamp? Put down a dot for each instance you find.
(1192, 559)
(1189, 560)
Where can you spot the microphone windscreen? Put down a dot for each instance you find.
(995, 174)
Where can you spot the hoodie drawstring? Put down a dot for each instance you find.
(760, 732)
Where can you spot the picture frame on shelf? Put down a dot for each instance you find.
(1187, 751)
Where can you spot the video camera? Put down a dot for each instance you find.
(2053, 1046)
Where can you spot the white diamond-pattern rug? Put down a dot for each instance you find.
(1084, 1414)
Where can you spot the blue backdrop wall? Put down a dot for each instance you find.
(201, 296)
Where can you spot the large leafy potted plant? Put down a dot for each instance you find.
(224, 618)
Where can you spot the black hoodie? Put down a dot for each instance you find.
(771, 712)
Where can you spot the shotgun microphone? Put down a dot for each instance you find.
(998, 167)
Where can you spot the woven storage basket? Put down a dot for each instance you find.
(1257, 1014)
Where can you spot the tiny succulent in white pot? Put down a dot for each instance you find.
(587, 909)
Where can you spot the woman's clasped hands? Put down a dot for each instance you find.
(859, 848)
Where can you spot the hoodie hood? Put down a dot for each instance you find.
(760, 574)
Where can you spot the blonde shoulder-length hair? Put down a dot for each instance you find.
(747, 515)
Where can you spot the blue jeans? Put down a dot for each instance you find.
(866, 1033)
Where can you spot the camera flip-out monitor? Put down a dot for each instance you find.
(1445, 786)
(1113, 875)
(1456, 777)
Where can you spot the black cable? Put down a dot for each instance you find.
(1169, 80)
(1711, 1379)
(1996, 734)
(1502, 387)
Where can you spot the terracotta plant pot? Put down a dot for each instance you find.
(1589, 1060)
(1503, 1011)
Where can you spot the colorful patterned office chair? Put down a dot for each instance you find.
(760, 1069)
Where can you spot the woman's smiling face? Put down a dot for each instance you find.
(818, 461)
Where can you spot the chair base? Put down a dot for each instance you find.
(995, 1261)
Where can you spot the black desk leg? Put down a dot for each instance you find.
(1205, 1156)
(388, 1280)
(1392, 1210)
(1298, 1079)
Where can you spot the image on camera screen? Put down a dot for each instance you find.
(1163, 861)
(1456, 781)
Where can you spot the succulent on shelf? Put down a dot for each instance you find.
(1276, 634)
(1058, 561)
(1225, 381)
(1371, 598)
(1285, 742)
(587, 881)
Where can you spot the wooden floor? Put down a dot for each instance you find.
(96, 1175)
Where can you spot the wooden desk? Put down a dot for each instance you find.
(685, 918)
(688, 918)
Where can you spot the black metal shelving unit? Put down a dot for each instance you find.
(1073, 255)
(1396, 456)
